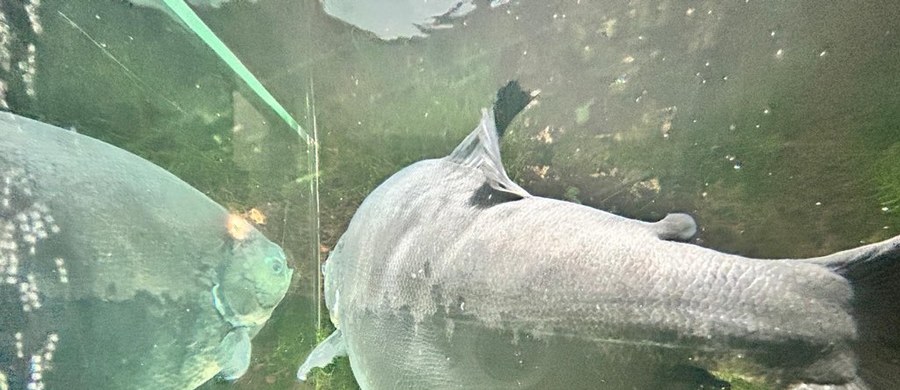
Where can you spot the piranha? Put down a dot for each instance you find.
(115, 274)
(450, 275)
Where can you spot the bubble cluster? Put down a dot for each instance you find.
(24, 222)
(29, 70)
(61, 270)
(4, 384)
(36, 376)
(41, 363)
(6, 38)
(33, 19)
(3, 104)
(28, 294)
(9, 258)
(38, 363)
(29, 217)
(20, 347)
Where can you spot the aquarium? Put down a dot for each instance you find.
(195, 162)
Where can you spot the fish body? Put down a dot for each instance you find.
(452, 276)
(135, 279)
(398, 19)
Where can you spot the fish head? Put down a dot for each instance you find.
(253, 280)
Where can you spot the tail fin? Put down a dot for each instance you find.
(874, 273)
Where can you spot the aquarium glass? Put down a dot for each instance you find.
(139, 78)
(775, 124)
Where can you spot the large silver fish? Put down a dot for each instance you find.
(452, 276)
(115, 274)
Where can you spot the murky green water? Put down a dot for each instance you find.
(774, 123)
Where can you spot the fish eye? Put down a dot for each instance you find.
(275, 263)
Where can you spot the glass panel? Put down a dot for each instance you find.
(137, 79)
(772, 123)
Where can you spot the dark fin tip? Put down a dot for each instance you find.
(511, 100)
(876, 307)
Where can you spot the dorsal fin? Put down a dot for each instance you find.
(481, 150)
(511, 100)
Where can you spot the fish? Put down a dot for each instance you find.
(402, 19)
(450, 275)
(115, 274)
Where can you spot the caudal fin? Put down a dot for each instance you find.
(874, 273)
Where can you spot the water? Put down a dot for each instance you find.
(700, 85)
(774, 124)
(140, 81)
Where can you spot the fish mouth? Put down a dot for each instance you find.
(252, 282)
(269, 298)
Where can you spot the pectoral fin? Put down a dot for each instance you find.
(236, 346)
(219, 303)
(323, 354)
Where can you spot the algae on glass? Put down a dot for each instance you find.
(773, 123)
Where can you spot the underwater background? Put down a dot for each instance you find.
(775, 124)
